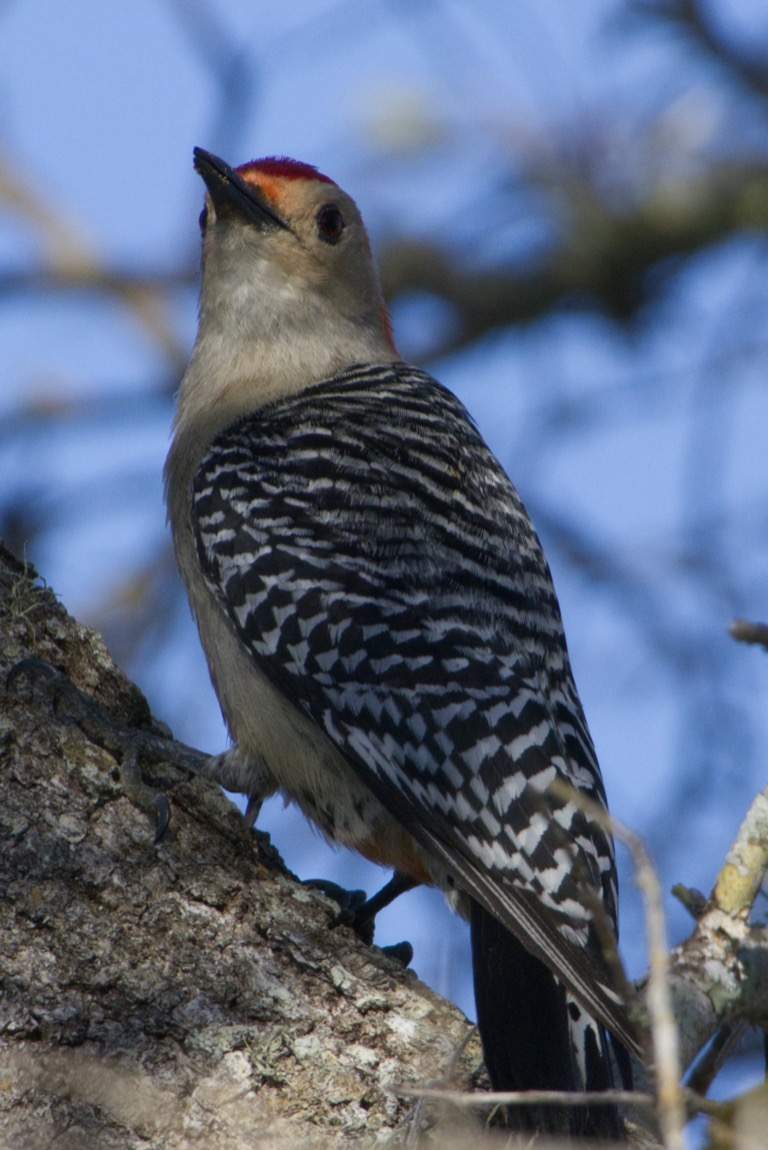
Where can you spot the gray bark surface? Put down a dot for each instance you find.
(184, 994)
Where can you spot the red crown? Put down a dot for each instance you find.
(281, 167)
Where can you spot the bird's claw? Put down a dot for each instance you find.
(348, 901)
(400, 951)
(358, 912)
(153, 802)
(103, 728)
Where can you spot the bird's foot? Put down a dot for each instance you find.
(359, 912)
(131, 745)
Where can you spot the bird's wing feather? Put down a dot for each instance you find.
(376, 561)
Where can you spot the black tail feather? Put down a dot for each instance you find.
(526, 1029)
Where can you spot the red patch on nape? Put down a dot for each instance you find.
(282, 168)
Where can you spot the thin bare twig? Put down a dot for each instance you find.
(473, 1098)
(663, 1027)
(672, 1117)
(715, 1057)
(745, 632)
(745, 865)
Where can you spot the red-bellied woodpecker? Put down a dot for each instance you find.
(380, 622)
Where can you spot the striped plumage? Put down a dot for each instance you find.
(381, 625)
(376, 561)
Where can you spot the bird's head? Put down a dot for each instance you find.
(287, 261)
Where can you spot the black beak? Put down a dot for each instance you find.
(232, 196)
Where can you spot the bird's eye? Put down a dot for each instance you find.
(330, 224)
(203, 219)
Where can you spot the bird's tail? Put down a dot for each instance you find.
(537, 1037)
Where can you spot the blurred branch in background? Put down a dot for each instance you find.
(68, 264)
(698, 23)
(615, 261)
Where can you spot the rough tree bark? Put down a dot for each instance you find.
(192, 993)
(189, 993)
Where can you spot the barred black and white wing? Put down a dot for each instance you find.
(376, 561)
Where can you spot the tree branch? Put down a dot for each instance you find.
(720, 974)
(186, 993)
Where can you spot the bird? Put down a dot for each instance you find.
(382, 629)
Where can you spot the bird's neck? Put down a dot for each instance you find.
(233, 373)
